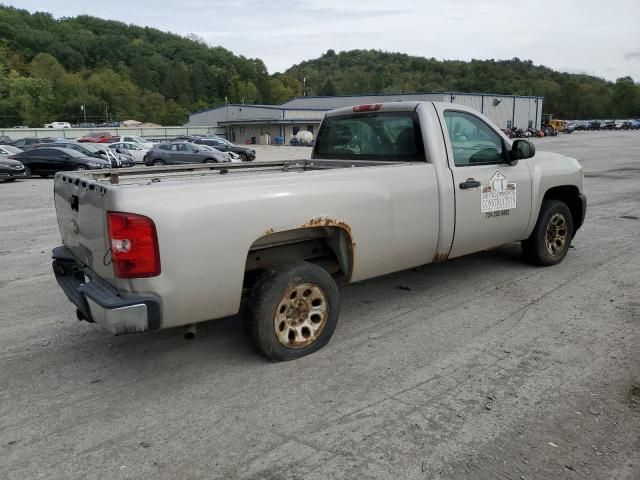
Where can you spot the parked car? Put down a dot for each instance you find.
(4, 140)
(136, 151)
(12, 169)
(375, 198)
(49, 160)
(57, 125)
(182, 152)
(6, 150)
(97, 137)
(95, 150)
(117, 159)
(246, 154)
(25, 143)
(137, 140)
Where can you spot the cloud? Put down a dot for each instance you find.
(283, 33)
(632, 55)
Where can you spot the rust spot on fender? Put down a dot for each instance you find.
(440, 257)
(332, 222)
(327, 222)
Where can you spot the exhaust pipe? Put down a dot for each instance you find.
(190, 332)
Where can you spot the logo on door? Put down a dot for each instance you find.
(498, 195)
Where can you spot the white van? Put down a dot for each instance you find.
(57, 125)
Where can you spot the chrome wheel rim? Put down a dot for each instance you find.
(557, 232)
(158, 163)
(301, 315)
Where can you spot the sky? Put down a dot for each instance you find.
(596, 37)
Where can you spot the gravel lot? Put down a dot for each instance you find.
(479, 368)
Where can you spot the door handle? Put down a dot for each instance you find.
(470, 183)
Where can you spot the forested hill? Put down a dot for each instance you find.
(373, 71)
(50, 67)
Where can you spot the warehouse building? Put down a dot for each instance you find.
(272, 123)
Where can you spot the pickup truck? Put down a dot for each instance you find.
(388, 187)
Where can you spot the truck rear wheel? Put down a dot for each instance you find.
(550, 240)
(292, 311)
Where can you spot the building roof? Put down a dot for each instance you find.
(284, 106)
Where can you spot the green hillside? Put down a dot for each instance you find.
(50, 67)
(373, 71)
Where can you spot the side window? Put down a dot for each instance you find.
(473, 142)
(47, 153)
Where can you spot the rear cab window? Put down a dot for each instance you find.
(383, 136)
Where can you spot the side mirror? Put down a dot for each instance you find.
(522, 149)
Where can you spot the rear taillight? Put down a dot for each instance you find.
(134, 245)
(367, 108)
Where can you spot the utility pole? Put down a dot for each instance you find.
(304, 86)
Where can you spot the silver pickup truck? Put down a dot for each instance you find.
(389, 187)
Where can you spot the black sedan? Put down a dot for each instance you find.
(245, 154)
(49, 160)
(183, 152)
(97, 151)
(12, 169)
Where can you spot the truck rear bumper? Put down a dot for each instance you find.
(98, 301)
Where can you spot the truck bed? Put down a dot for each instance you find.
(208, 171)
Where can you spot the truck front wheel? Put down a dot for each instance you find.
(551, 238)
(292, 311)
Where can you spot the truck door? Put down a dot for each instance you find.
(492, 197)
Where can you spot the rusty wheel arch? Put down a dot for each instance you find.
(335, 234)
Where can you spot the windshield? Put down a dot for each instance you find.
(10, 148)
(92, 148)
(225, 141)
(371, 136)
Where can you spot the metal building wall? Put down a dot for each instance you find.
(304, 114)
(469, 100)
(234, 112)
(347, 101)
(499, 109)
(525, 113)
(539, 117)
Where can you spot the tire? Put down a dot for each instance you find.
(158, 163)
(80, 168)
(292, 311)
(550, 240)
(9, 180)
(243, 157)
(210, 160)
(27, 172)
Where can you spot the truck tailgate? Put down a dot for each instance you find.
(81, 211)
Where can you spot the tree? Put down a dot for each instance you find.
(243, 92)
(624, 99)
(328, 89)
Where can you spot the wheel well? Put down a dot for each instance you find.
(330, 247)
(568, 194)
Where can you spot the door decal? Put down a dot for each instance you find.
(499, 195)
